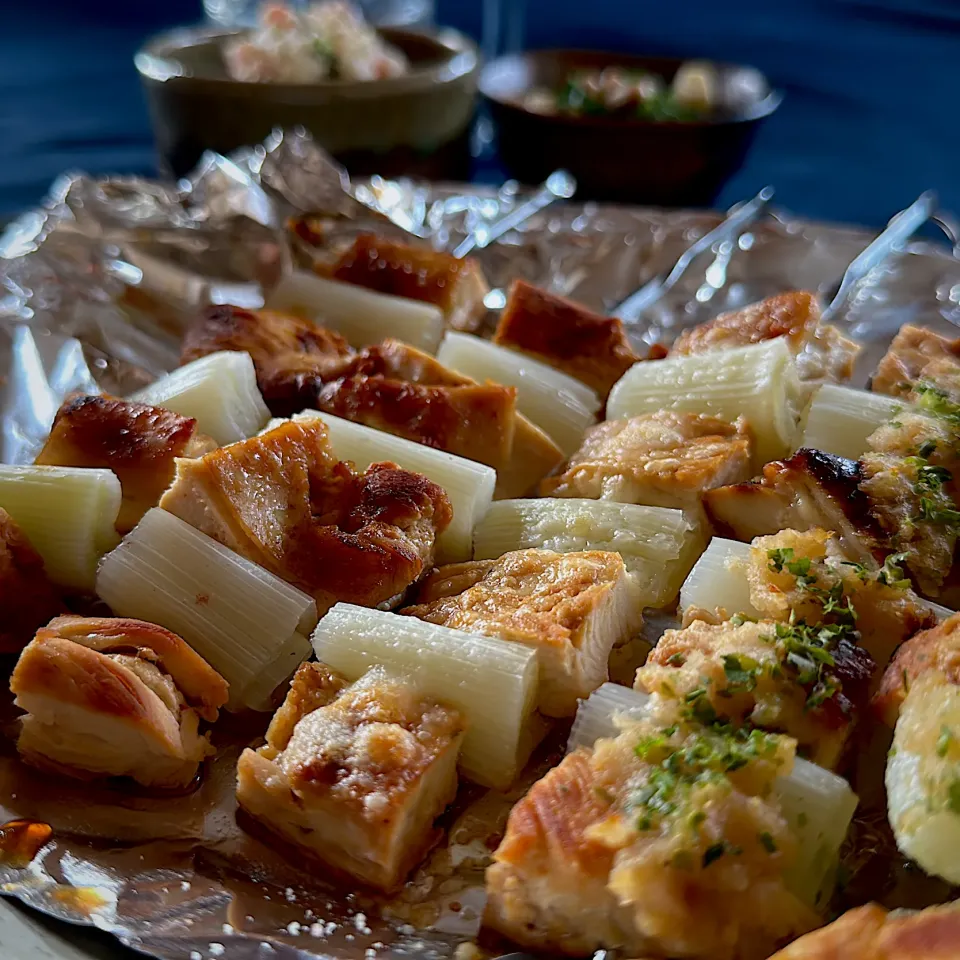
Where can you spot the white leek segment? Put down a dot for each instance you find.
(361, 316)
(492, 682)
(715, 585)
(558, 404)
(68, 514)
(239, 617)
(219, 391)
(817, 804)
(469, 485)
(758, 382)
(839, 419)
(658, 545)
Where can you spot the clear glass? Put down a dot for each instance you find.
(396, 13)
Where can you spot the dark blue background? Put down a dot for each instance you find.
(868, 122)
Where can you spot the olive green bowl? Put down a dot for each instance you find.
(416, 125)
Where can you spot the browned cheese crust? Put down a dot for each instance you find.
(592, 348)
(285, 502)
(139, 443)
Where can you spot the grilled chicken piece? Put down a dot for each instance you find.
(390, 386)
(115, 697)
(811, 489)
(821, 352)
(281, 345)
(284, 501)
(356, 776)
(920, 695)
(662, 459)
(27, 598)
(600, 853)
(764, 675)
(805, 576)
(456, 286)
(871, 933)
(572, 608)
(139, 443)
(916, 355)
(592, 348)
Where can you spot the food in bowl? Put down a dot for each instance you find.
(327, 41)
(622, 92)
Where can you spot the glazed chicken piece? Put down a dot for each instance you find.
(356, 775)
(821, 352)
(663, 459)
(27, 598)
(284, 501)
(804, 576)
(918, 355)
(662, 842)
(592, 348)
(804, 681)
(115, 698)
(811, 489)
(920, 694)
(139, 443)
(573, 608)
(871, 933)
(456, 286)
(390, 386)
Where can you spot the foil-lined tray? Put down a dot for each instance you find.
(96, 288)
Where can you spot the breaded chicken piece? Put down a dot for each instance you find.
(27, 598)
(917, 354)
(115, 697)
(139, 443)
(821, 352)
(589, 347)
(773, 676)
(871, 933)
(804, 575)
(284, 501)
(662, 459)
(573, 608)
(357, 775)
(658, 843)
(811, 489)
(456, 286)
(920, 694)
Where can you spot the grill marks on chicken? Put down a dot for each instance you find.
(139, 443)
(115, 697)
(285, 502)
(820, 350)
(355, 774)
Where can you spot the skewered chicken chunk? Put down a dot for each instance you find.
(114, 697)
(139, 443)
(821, 352)
(356, 774)
(573, 608)
(283, 500)
(663, 459)
(918, 356)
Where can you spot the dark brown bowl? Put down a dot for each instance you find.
(665, 163)
(417, 124)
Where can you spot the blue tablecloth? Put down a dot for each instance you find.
(866, 125)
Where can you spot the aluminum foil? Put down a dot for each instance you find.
(97, 287)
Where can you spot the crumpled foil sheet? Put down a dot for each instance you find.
(96, 288)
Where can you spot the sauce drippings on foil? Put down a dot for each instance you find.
(22, 840)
